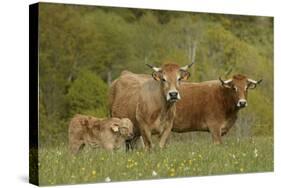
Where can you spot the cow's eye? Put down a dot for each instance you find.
(164, 80)
(235, 88)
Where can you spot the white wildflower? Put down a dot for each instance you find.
(107, 179)
(256, 152)
(186, 169)
(154, 173)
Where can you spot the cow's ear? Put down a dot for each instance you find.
(157, 75)
(251, 86)
(184, 75)
(114, 128)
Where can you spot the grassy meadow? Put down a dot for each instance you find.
(180, 159)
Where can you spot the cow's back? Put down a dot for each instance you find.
(199, 104)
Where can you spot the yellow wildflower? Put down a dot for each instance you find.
(172, 172)
(94, 173)
(158, 165)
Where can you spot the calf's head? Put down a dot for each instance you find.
(123, 127)
(170, 75)
(239, 84)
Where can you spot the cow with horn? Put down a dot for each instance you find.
(212, 106)
(149, 102)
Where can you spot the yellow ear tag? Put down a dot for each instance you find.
(114, 128)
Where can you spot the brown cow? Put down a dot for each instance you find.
(148, 103)
(108, 133)
(212, 105)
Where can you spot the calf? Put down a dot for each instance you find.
(109, 133)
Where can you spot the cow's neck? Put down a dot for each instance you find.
(168, 110)
(170, 105)
(166, 107)
(229, 101)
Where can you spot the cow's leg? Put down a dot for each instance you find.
(75, 146)
(215, 128)
(140, 143)
(146, 135)
(129, 145)
(216, 135)
(108, 146)
(132, 144)
(165, 134)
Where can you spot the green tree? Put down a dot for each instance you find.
(87, 93)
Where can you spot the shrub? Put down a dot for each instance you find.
(87, 93)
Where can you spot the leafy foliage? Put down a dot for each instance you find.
(86, 93)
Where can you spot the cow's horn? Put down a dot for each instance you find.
(228, 81)
(154, 68)
(221, 80)
(187, 66)
(190, 65)
(254, 81)
(225, 82)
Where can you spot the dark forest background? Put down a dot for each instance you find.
(84, 48)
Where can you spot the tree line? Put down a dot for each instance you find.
(84, 48)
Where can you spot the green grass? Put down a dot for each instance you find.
(180, 159)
